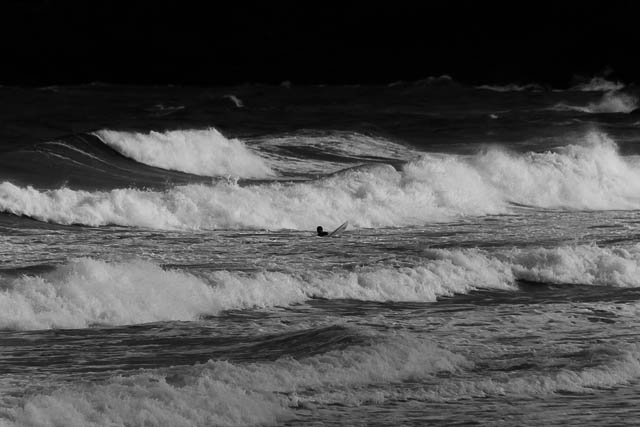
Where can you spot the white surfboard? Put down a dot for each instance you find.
(339, 230)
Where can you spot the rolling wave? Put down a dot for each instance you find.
(199, 152)
(433, 188)
(87, 292)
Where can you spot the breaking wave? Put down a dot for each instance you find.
(87, 292)
(433, 188)
(199, 152)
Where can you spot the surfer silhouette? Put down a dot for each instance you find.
(320, 232)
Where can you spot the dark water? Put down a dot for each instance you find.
(158, 263)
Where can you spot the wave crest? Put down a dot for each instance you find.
(200, 152)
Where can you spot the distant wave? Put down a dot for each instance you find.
(435, 80)
(236, 101)
(433, 188)
(599, 84)
(199, 152)
(611, 102)
(87, 292)
(512, 87)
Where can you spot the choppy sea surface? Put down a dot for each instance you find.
(159, 264)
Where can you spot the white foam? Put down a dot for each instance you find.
(368, 196)
(201, 152)
(591, 175)
(611, 102)
(435, 187)
(223, 393)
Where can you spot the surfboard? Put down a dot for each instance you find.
(339, 229)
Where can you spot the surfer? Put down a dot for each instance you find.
(320, 232)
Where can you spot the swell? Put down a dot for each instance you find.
(87, 292)
(83, 162)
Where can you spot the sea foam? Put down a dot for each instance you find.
(200, 152)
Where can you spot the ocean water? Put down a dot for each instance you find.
(159, 264)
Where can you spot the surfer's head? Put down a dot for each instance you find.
(319, 229)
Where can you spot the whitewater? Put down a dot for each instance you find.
(159, 264)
